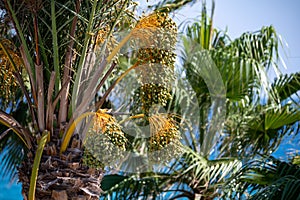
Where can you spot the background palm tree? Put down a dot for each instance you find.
(242, 114)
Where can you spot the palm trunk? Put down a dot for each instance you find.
(61, 176)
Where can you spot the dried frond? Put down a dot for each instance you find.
(34, 5)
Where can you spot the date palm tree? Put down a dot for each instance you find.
(52, 55)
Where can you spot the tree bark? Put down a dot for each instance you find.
(62, 176)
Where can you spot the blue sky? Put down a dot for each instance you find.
(240, 16)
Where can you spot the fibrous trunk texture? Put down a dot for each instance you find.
(62, 176)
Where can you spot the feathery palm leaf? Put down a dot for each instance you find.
(286, 86)
(266, 179)
(48, 56)
(13, 151)
(186, 177)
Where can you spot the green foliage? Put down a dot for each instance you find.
(12, 148)
(133, 187)
(256, 128)
(111, 180)
(13, 152)
(255, 119)
(232, 76)
(286, 86)
(267, 178)
(188, 176)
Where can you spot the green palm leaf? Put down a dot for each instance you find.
(186, 177)
(140, 186)
(286, 86)
(258, 128)
(267, 179)
(171, 5)
(12, 153)
(200, 170)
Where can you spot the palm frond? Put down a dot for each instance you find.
(267, 178)
(245, 61)
(171, 5)
(133, 187)
(286, 86)
(17, 128)
(201, 172)
(12, 153)
(12, 148)
(186, 177)
(255, 128)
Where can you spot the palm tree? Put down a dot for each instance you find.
(242, 114)
(52, 54)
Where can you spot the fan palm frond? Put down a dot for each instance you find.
(253, 128)
(203, 174)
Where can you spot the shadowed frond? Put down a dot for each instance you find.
(186, 177)
(133, 187)
(12, 152)
(266, 179)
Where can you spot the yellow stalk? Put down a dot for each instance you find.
(16, 131)
(115, 51)
(132, 117)
(71, 129)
